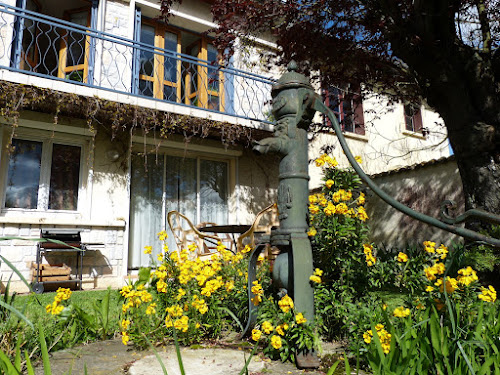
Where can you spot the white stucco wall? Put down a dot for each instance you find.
(422, 189)
(6, 34)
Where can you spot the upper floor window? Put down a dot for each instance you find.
(42, 175)
(348, 108)
(413, 118)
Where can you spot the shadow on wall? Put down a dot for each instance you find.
(423, 189)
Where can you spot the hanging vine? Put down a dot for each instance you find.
(116, 117)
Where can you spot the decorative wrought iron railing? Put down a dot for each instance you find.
(41, 45)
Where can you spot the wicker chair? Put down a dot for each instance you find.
(185, 237)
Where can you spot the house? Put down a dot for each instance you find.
(112, 118)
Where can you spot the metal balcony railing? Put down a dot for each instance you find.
(41, 45)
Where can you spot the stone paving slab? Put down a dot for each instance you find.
(113, 358)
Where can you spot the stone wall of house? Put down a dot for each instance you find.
(115, 58)
(423, 189)
(102, 262)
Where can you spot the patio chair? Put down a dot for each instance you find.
(225, 238)
(248, 238)
(184, 237)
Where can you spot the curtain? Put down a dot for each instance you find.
(146, 208)
(213, 191)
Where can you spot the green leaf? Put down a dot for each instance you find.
(163, 368)
(29, 366)
(333, 368)
(17, 313)
(44, 350)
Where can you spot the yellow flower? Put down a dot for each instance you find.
(329, 209)
(151, 309)
(313, 199)
(332, 162)
(180, 293)
(451, 285)
(329, 183)
(313, 209)
(125, 338)
(267, 327)
(442, 250)
(315, 279)
(367, 336)
(285, 303)
(402, 257)
(362, 214)
(125, 324)
(358, 159)
(466, 276)
(429, 246)
(282, 328)
(320, 162)
(256, 333)
(162, 235)
(182, 323)
(276, 342)
(312, 232)
(247, 249)
(48, 308)
(299, 318)
(148, 249)
(401, 312)
(160, 257)
(361, 199)
(429, 288)
(488, 295)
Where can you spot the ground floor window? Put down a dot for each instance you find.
(42, 175)
(197, 187)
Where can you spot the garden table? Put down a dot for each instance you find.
(231, 229)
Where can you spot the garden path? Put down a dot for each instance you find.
(113, 358)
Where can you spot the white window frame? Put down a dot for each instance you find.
(48, 139)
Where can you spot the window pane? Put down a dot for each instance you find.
(213, 191)
(23, 175)
(170, 62)
(146, 215)
(147, 56)
(181, 186)
(64, 177)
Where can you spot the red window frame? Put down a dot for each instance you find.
(347, 106)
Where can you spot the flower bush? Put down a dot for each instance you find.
(201, 298)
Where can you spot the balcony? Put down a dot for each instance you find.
(40, 45)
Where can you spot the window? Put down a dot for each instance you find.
(413, 118)
(43, 175)
(159, 73)
(197, 187)
(348, 108)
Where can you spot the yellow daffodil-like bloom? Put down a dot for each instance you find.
(313, 209)
(332, 162)
(161, 286)
(329, 183)
(341, 209)
(383, 335)
(162, 235)
(146, 297)
(429, 246)
(180, 293)
(281, 329)
(318, 272)
(367, 248)
(358, 159)
(313, 198)
(466, 276)
(267, 327)
(151, 309)
(402, 257)
(367, 336)
(312, 232)
(451, 285)
(256, 333)
(229, 285)
(246, 249)
(182, 323)
(320, 161)
(299, 318)
(488, 294)
(168, 321)
(276, 341)
(362, 214)
(159, 257)
(148, 249)
(315, 279)
(329, 210)
(401, 312)
(174, 311)
(442, 251)
(48, 308)
(285, 303)
(337, 196)
(125, 323)
(436, 269)
(323, 202)
(256, 300)
(429, 288)
(64, 293)
(361, 199)
(125, 338)
(345, 195)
